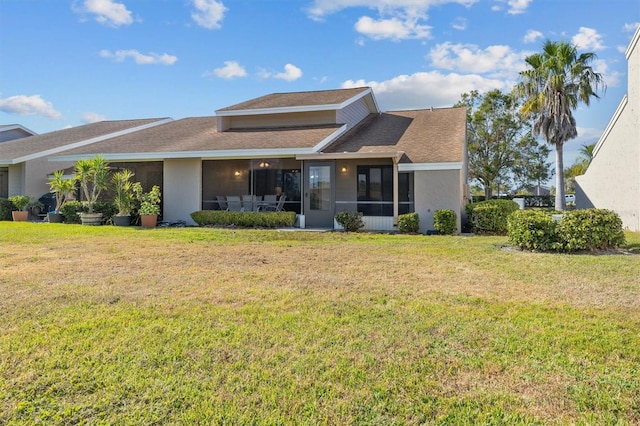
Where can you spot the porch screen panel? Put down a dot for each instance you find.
(320, 188)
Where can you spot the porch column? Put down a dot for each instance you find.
(396, 192)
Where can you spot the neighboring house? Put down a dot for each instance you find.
(327, 151)
(10, 132)
(26, 160)
(612, 180)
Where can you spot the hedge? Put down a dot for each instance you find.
(244, 219)
(578, 230)
(6, 207)
(490, 217)
(350, 221)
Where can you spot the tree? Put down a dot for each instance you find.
(587, 152)
(496, 135)
(553, 85)
(531, 166)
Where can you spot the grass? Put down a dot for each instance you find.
(106, 325)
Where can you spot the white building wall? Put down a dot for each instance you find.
(435, 190)
(612, 180)
(182, 189)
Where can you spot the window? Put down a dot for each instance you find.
(375, 191)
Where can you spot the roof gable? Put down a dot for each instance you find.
(425, 136)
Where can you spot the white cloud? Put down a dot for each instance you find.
(107, 12)
(459, 24)
(290, 73)
(92, 117)
(514, 7)
(29, 105)
(139, 58)
(322, 8)
(631, 27)
(496, 60)
(588, 38)
(231, 69)
(393, 28)
(209, 13)
(426, 89)
(532, 35)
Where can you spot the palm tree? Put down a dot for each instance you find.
(587, 152)
(553, 85)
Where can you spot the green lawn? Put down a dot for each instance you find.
(105, 325)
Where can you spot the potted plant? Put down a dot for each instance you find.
(123, 196)
(149, 205)
(20, 214)
(92, 175)
(63, 189)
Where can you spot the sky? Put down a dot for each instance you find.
(65, 63)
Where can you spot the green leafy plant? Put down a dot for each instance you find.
(92, 174)
(62, 188)
(20, 202)
(409, 223)
(6, 207)
(445, 221)
(533, 230)
(123, 191)
(71, 211)
(149, 201)
(350, 221)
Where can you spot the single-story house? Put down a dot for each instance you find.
(612, 180)
(326, 151)
(10, 132)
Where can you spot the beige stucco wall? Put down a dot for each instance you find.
(435, 190)
(182, 189)
(16, 179)
(612, 180)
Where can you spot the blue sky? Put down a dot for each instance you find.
(68, 62)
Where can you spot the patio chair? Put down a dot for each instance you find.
(249, 203)
(270, 202)
(233, 203)
(222, 202)
(278, 207)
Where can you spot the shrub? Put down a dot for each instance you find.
(107, 208)
(445, 221)
(351, 222)
(591, 229)
(244, 219)
(408, 223)
(70, 211)
(490, 217)
(533, 230)
(6, 207)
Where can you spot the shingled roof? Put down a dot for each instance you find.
(19, 149)
(297, 99)
(425, 136)
(198, 135)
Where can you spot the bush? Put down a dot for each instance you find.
(244, 219)
(445, 221)
(351, 222)
(6, 207)
(490, 217)
(591, 229)
(408, 223)
(70, 211)
(107, 208)
(534, 230)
